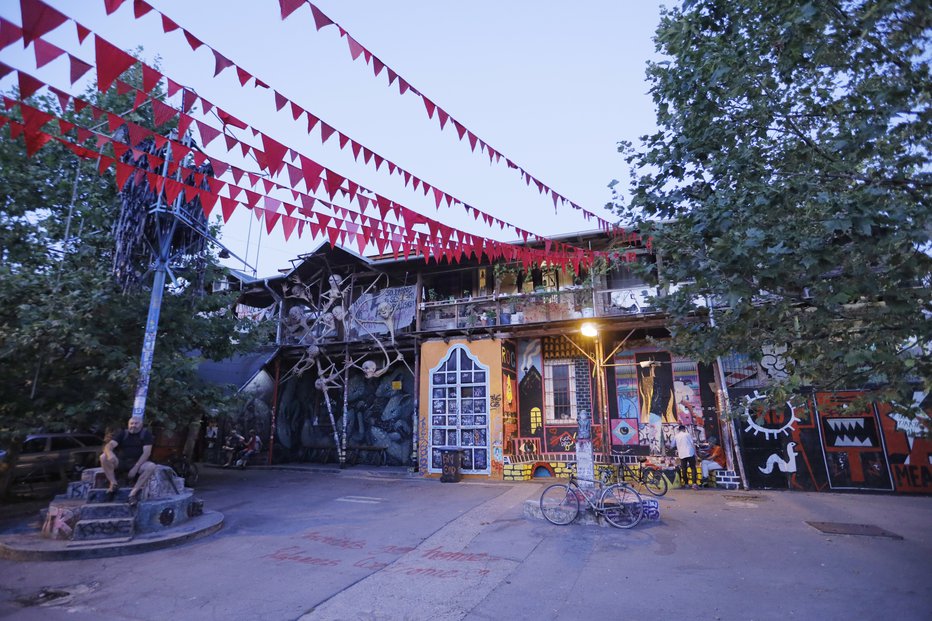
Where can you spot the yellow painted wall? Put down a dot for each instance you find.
(489, 353)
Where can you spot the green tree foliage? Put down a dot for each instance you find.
(70, 338)
(789, 181)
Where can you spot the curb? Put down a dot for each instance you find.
(33, 547)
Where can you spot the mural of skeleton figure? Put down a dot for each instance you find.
(296, 326)
(386, 313)
(333, 295)
(296, 288)
(307, 360)
(371, 369)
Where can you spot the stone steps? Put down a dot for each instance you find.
(104, 510)
(102, 496)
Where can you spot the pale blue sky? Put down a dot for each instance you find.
(551, 85)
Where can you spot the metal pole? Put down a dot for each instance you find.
(152, 327)
(274, 422)
(155, 301)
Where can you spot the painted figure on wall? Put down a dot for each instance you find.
(530, 389)
(909, 445)
(655, 386)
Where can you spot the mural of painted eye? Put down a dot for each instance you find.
(770, 431)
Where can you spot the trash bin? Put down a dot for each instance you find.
(451, 461)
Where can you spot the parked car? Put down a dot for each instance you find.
(47, 461)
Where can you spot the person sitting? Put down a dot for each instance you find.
(715, 460)
(232, 447)
(253, 444)
(127, 453)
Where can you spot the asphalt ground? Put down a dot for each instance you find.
(318, 543)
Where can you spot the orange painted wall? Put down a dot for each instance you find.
(489, 353)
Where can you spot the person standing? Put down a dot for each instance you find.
(128, 453)
(686, 451)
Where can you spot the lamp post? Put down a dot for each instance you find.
(598, 360)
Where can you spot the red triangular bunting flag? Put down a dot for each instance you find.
(354, 47)
(320, 19)
(193, 41)
(333, 183)
(288, 7)
(270, 219)
(150, 78)
(280, 101)
(243, 76)
(46, 52)
(162, 113)
(140, 8)
(28, 85)
(274, 154)
(111, 62)
(228, 206)
(312, 171)
(38, 19)
(82, 32)
(288, 224)
(325, 132)
(220, 63)
(112, 5)
(208, 133)
(184, 122)
(35, 141)
(208, 201)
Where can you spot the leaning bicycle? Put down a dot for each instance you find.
(185, 469)
(620, 503)
(649, 476)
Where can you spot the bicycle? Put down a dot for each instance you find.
(649, 476)
(185, 469)
(619, 503)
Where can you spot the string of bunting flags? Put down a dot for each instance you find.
(357, 51)
(30, 84)
(141, 8)
(38, 19)
(111, 61)
(401, 240)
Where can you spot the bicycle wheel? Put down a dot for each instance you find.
(190, 478)
(559, 504)
(621, 506)
(654, 481)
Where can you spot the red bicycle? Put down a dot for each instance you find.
(648, 475)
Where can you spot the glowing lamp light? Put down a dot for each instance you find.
(589, 329)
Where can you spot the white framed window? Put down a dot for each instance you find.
(560, 390)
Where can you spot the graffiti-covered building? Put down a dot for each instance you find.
(391, 361)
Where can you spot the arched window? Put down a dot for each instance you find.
(459, 410)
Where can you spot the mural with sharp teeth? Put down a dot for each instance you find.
(852, 443)
(850, 431)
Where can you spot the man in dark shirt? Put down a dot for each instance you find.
(128, 453)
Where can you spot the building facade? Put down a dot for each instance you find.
(399, 362)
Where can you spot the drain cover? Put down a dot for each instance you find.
(840, 528)
(743, 497)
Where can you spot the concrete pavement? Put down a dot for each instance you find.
(322, 544)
